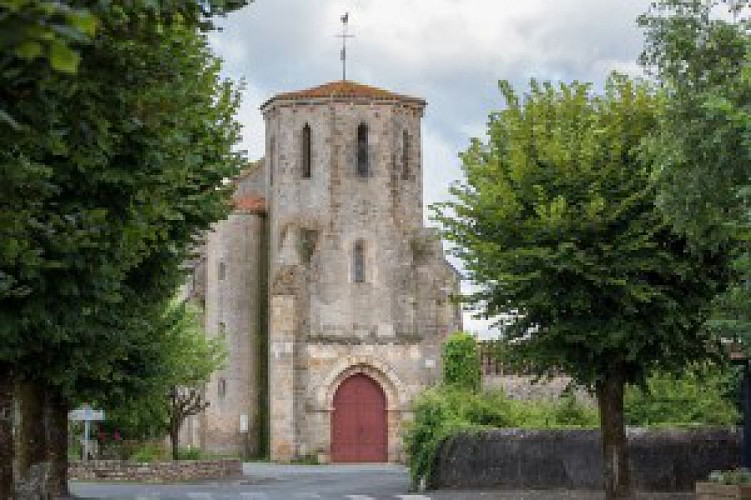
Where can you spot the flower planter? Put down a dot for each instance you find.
(717, 491)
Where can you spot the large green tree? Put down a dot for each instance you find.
(107, 174)
(700, 53)
(556, 224)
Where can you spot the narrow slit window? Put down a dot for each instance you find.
(272, 153)
(222, 387)
(405, 155)
(358, 262)
(306, 151)
(362, 150)
(222, 271)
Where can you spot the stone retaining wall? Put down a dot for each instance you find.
(182, 470)
(661, 460)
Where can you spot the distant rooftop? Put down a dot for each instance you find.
(252, 204)
(344, 89)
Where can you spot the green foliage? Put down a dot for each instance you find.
(45, 29)
(435, 418)
(737, 476)
(183, 357)
(557, 225)
(571, 411)
(108, 177)
(695, 398)
(443, 411)
(461, 362)
(700, 50)
(190, 454)
(149, 452)
(306, 460)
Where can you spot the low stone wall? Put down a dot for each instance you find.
(661, 460)
(182, 470)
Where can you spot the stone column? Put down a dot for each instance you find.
(281, 377)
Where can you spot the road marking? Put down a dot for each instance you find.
(412, 497)
(359, 497)
(200, 496)
(254, 495)
(307, 495)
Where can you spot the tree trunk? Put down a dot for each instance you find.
(32, 475)
(616, 471)
(7, 384)
(174, 436)
(56, 430)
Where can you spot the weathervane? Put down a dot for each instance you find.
(344, 36)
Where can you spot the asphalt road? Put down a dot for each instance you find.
(264, 481)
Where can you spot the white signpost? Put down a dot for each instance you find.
(86, 414)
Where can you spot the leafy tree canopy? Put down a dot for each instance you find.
(699, 51)
(107, 179)
(556, 222)
(179, 355)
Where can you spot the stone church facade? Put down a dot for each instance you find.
(332, 296)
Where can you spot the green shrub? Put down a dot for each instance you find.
(189, 454)
(461, 362)
(570, 411)
(696, 398)
(436, 417)
(149, 452)
(489, 409)
(737, 476)
(306, 460)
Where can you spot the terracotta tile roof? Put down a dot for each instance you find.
(253, 204)
(344, 89)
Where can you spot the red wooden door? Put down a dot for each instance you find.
(358, 424)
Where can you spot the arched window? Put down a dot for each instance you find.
(405, 154)
(362, 150)
(306, 151)
(272, 153)
(358, 262)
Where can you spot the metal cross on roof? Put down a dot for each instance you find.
(344, 36)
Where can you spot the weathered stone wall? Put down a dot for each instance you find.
(183, 470)
(235, 301)
(524, 387)
(661, 460)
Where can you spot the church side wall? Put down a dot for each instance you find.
(235, 300)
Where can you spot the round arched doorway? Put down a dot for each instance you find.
(358, 422)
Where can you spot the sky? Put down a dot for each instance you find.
(452, 53)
